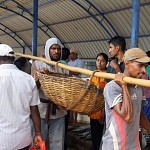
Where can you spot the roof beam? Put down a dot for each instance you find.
(113, 11)
(103, 40)
(3, 2)
(103, 16)
(24, 18)
(93, 16)
(126, 8)
(12, 37)
(97, 40)
(55, 23)
(16, 35)
(45, 25)
(105, 13)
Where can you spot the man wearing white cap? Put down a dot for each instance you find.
(123, 105)
(18, 101)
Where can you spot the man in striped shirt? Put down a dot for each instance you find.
(18, 100)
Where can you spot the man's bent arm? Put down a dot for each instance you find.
(144, 123)
(125, 109)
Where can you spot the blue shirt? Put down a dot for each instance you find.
(112, 70)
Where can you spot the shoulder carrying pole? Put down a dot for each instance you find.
(140, 82)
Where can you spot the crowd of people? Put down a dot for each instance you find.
(25, 108)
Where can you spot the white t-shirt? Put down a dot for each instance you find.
(18, 92)
(43, 106)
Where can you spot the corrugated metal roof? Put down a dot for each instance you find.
(85, 25)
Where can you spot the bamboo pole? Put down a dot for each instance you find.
(140, 82)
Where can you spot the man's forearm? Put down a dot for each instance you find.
(127, 102)
(125, 108)
(35, 116)
(144, 123)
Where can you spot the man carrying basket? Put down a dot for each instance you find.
(123, 105)
(52, 116)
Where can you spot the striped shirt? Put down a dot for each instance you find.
(120, 135)
(17, 93)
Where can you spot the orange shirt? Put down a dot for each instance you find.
(102, 85)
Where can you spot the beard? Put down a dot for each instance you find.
(55, 59)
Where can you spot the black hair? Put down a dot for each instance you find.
(20, 62)
(7, 58)
(65, 53)
(148, 53)
(118, 41)
(104, 55)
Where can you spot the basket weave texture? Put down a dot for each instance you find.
(72, 93)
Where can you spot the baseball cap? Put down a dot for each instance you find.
(136, 54)
(73, 51)
(6, 50)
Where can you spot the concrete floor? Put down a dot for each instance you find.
(76, 144)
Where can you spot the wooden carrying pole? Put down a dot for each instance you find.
(141, 82)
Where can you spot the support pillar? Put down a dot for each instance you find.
(135, 23)
(23, 50)
(35, 28)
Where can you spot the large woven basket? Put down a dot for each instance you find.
(72, 93)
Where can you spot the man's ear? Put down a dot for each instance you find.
(118, 48)
(126, 63)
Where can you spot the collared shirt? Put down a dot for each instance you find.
(18, 92)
